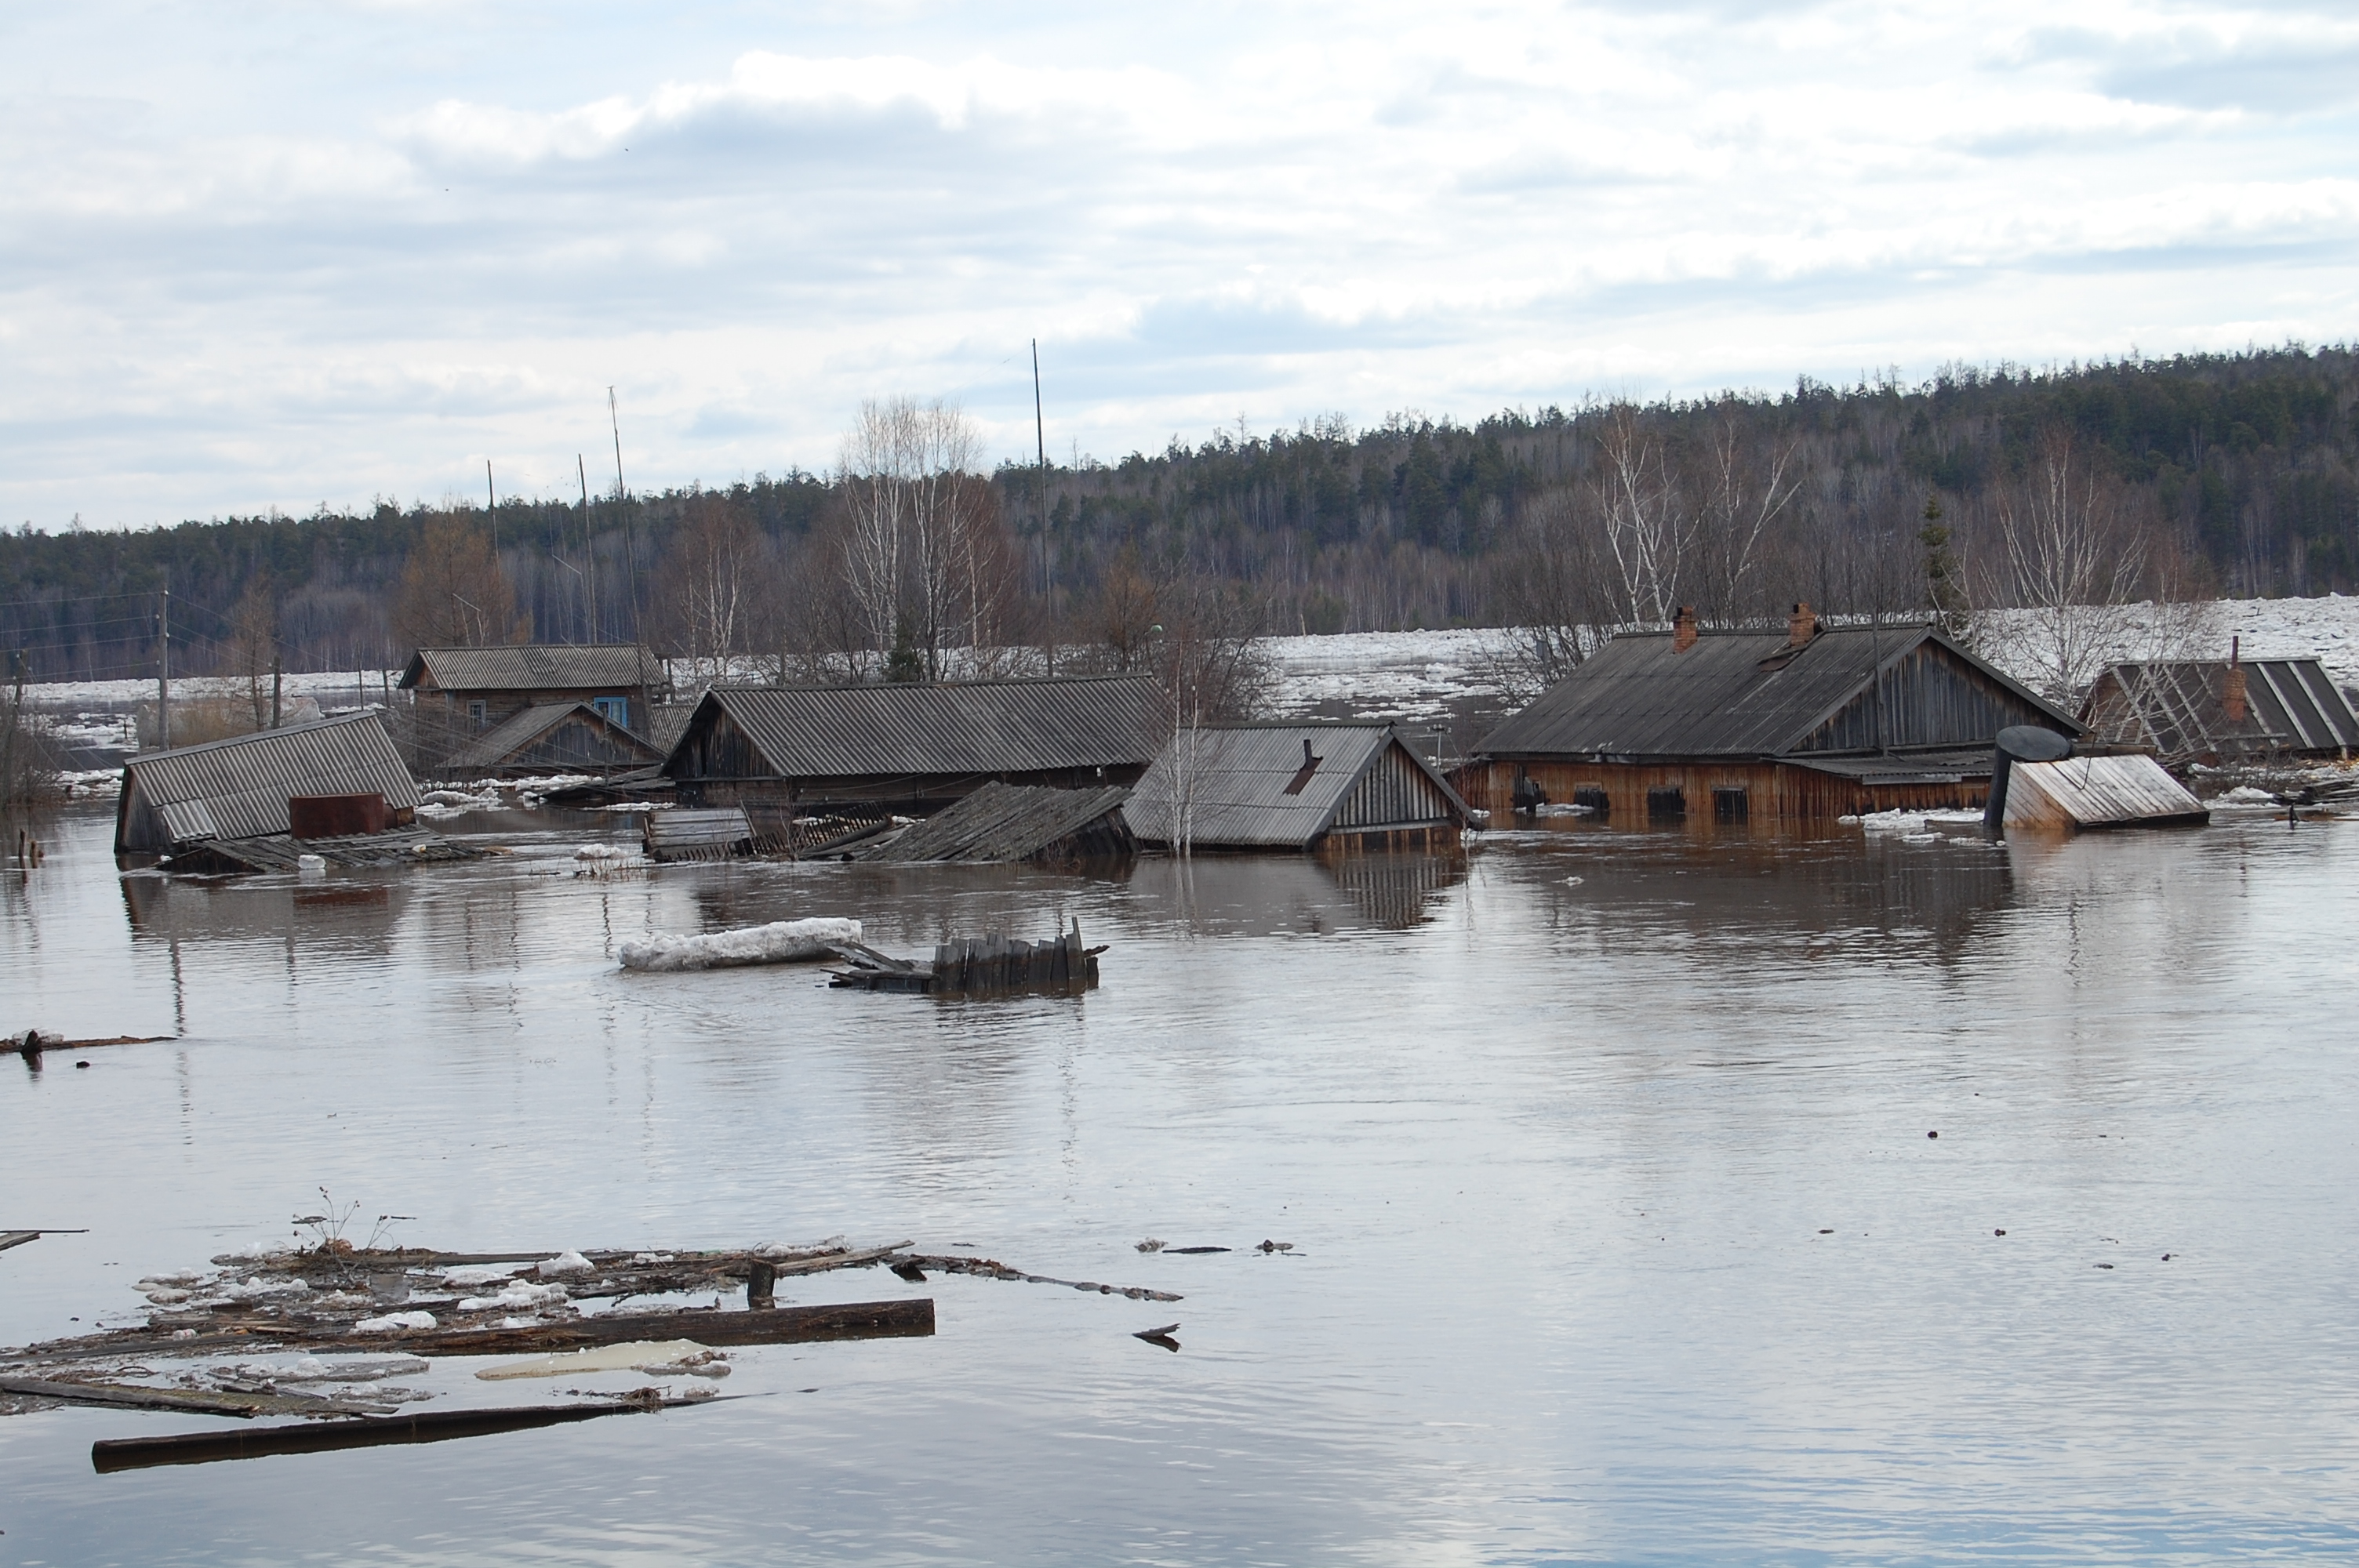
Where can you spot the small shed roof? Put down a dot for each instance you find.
(536, 666)
(2097, 791)
(913, 730)
(239, 788)
(501, 744)
(1749, 694)
(1274, 785)
(2179, 707)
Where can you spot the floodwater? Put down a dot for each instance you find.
(1617, 1232)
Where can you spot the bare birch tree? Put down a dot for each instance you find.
(1743, 489)
(1648, 529)
(2072, 563)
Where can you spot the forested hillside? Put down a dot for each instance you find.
(2222, 473)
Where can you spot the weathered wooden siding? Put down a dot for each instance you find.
(1774, 791)
(1394, 791)
(2097, 791)
(1930, 698)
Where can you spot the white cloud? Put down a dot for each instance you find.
(350, 251)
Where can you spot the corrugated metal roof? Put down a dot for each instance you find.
(537, 666)
(1245, 785)
(500, 744)
(2179, 707)
(240, 786)
(910, 730)
(2096, 791)
(1744, 694)
(1003, 822)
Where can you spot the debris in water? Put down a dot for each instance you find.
(1160, 1335)
(1268, 1246)
(1194, 1251)
(1149, 1245)
(436, 1426)
(631, 1356)
(780, 942)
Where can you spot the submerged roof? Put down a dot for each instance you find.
(1004, 822)
(536, 666)
(238, 788)
(2097, 791)
(908, 728)
(1749, 694)
(501, 744)
(1277, 785)
(2179, 707)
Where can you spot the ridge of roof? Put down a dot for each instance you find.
(308, 726)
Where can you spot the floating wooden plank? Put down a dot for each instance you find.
(778, 1325)
(200, 1401)
(427, 1426)
(17, 1238)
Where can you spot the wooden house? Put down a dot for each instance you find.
(2215, 711)
(910, 747)
(552, 738)
(1812, 724)
(256, 800)
(1336, 786)
(474, 690)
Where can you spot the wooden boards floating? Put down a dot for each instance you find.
(433, 1426)
(776, 1325)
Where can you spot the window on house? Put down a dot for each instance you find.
(1595, 797)
(1731, 806)
(476, 713)
(617, 710)
(1667, 805)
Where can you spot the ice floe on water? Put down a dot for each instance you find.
(780, 942)
(395, 1322)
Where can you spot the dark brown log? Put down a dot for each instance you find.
(761, 1283)
(781, 1325)
(431, 1426)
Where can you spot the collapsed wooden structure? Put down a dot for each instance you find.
(1004, 822)
(972, 965)
(1810, 723)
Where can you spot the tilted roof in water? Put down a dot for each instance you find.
(1282, 785)
(239, 788)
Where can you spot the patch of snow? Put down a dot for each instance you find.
(519, 1296)
(2245, 794)
(473, 1276)
(780, 942)
(395, 1322)
(1891, 821)
(603, 852)
(564, 1265)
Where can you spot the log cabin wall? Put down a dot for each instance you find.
(1930, 698)
(1774, 792)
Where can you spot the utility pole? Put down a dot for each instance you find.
(164, 666)
(278, 686)
(1048, 549)
(615, 415)
(589, 543)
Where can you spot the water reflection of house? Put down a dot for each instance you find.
(1267, 896)
(1811, 723)
(1330, 786)
(341, 918)
(473, 690)
(554, 737)
(907, 746)
(243, 801)
(2211, 710)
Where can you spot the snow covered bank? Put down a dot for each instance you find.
(780, 942)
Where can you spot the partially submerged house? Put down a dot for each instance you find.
(474, 690)
(1330, 786)
(553, 738)
(910, 747)
(1815, 723)
(336, 788)
(2215, 711)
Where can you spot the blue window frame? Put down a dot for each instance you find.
(617, 709)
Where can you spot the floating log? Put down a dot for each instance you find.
(200, 1401)
(431, 1426)
(992, 1268)
(778, 1325)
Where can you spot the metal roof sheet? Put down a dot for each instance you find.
(1002, 822)
(537, 666)
(1748, 694)
(907, 728)
(2179, 707)
(2097, 791)
(241, 785)
(1230, 784)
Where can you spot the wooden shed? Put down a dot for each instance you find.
(2214, 710)
(1336, 786)
(233, 792)
(1811, 723)
(467, 692)
(553, 738)
(910, 747)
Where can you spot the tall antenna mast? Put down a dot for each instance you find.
(616, 416)
(589, 544)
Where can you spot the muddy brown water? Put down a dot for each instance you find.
(1617, 1233)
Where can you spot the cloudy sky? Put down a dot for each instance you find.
(261, 252)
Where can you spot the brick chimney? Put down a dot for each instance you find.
(1800, 626)
(2233, 698)
(1684, 630)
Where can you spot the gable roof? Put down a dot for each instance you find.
(1748, 694)
(238, 788)
(536, 666)
(501, 744)
(2179, 707)
(908, 728)
(1247, 784)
